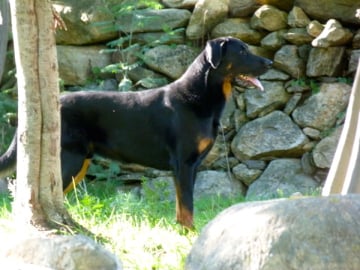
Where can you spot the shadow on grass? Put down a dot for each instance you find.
(101, 200)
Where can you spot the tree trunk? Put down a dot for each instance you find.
(344, 174)
(4, 32)
(39, 197)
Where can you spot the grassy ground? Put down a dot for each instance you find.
(140, 229)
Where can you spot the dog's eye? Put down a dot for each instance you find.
(243, 52)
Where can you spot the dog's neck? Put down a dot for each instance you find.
(197, 69)
(206, 86)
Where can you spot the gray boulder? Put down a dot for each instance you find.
(208, 183)
(354, 59)
(282, 178)
(356, 40)
(63, 253)
(274, 135)
(314, 28)
(245, 8)
(322, 10)
(217, 183)
(325, 62)
(152, 20)
(242, 8)
(307, 233)
(245, 174)
(179, 3)
(292, 103)
(259, 103)
(269, 18)
(333, 35)
(324, 151)
(147, 78)
(288, 60)
(312, 133)
(298, 36)
(83, 21)
(320, 111)
(156, 38)
(205, 16)
(76, 63)
(274, 75)
(171, 61)
(237, 28)
(298, 18)
(274, 40)
(9, 264)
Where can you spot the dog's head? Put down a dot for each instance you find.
(232, 58)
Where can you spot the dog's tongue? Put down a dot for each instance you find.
(254, 81)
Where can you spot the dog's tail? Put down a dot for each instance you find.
(8, 159)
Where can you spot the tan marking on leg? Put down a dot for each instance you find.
(227, 88)
(183, 215)
(203, 144)
(185, 218)
(79, 177)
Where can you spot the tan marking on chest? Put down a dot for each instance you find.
(229, 66)
(203, 144)
(227, 88)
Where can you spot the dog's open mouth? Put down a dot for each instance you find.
(249, 81)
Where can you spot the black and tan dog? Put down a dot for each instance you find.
(171, 127)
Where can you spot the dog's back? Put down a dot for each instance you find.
(132, 126)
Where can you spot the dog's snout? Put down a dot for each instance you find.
(268, 63)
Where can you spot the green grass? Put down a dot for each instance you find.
(140, 229)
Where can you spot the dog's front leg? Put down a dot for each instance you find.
(184, 184)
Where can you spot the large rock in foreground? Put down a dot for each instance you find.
(60, 252)
(307, 233)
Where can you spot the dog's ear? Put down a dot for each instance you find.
(214, 51)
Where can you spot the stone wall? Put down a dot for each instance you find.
(272, 143)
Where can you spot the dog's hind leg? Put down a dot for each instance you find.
(74, 167)
(184, 184)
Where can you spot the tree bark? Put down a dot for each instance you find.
(39, 197)
(4, 32)
(344, 174)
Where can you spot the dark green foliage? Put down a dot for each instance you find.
(8, 109)
(131, 52)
